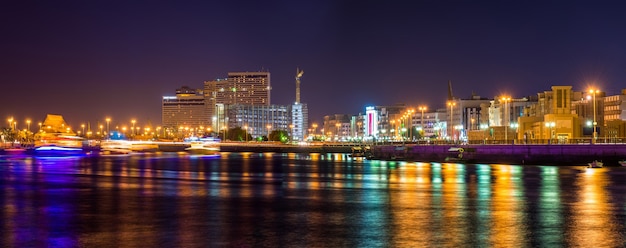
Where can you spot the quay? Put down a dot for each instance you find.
(530, 154)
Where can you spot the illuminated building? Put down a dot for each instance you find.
(552, 118)
(299, 121)
(337, 127)
(257, 118)
(249, 88)
(188, 108)
(299, 113)
(371, 122)
(434, 123)
(56, 124)
(461, 112)
(614, 116)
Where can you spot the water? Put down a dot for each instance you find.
(304, 200)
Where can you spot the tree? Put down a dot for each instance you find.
(238, 134)
(8, 135)
(279, 135)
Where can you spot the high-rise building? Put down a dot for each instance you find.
(249, 88)
(258, 120)
(299, 121)
(186, 109)
(299, 113)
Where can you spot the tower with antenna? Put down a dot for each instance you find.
(299, 74)
(299, 113)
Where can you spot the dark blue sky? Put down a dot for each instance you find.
(91, 59)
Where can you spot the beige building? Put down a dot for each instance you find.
(551, 119)
(186, 109)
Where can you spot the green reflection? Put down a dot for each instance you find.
(550, 207)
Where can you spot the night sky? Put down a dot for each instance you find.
(88, 60)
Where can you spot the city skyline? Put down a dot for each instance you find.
(87, 60)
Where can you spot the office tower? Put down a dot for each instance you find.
(186, 109)
(249, 88)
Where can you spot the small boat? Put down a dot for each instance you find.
(357, 152)
(595, 164)
(622, 162)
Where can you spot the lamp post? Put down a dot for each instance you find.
(291, 131)
(108, 120)
(132, 130)
(10, 120)
(39, 126)
(338, 125)
(595, 123)
(451, 126)
(83, 127)
(28, 126)
(422, 109)
(268, 131)
(514, 126)
(314, 128)
(506, 123)
(550, 125)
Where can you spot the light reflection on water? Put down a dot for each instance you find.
(305, 200)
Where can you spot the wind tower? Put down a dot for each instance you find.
(298, 76)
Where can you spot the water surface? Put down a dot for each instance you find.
(304, 200)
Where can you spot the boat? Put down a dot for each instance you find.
(13, 151)
(357, 152)
(203, 148)
(622, 162)
(456, 154)
(115, 147)
(59, 145)
(595, 164)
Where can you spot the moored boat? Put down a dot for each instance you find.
(595, 164)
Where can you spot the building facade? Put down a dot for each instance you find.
(248, 88)
(186, 109)
(258, 120)
(299, 121)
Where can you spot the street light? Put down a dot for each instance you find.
(338, 125)
(505, 124)
(28, 126)
(595, 123)
(108, 120)
(83, 127)
(10, 120)
(422, 109)
(314, 128)
(514, 126)
(132, 130)
(246, 133)
(268, 131)
(451, 104)
(550, 125)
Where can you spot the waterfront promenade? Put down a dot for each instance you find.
(532, 154)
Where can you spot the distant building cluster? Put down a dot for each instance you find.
(242, 100)
(559, 115)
